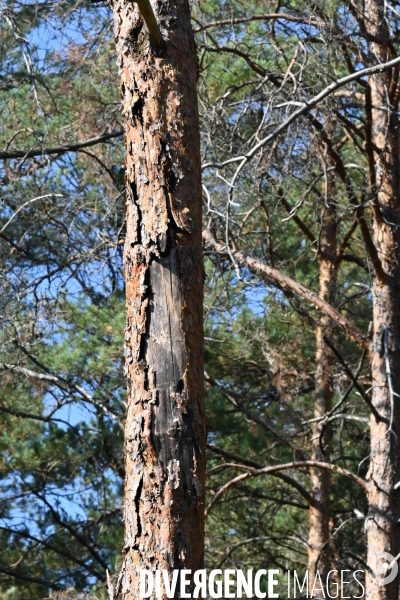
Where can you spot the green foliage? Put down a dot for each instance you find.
(62, 292)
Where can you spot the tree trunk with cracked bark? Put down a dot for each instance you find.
(384, 472)
(318, 539)
(165, 424)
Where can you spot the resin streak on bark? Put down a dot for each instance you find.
(384, 502)
(165, 426)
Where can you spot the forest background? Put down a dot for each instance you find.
(290, 265)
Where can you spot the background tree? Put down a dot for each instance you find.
(62, 220)
(338, 21)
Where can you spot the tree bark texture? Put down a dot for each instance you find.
(319, 532)
(384, 501)
(165, 424)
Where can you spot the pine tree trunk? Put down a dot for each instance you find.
(318, 540)
(384, 502)
(165, 424)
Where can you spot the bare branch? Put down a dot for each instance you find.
(251, 463)
(146, 10)
(274, 468)
(24, 577)
(268, 17)
(353, 379)
(306, 107)
(60, 382)
(257, 419)
(260, 268)
(5, 155)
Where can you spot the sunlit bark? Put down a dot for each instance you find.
(165, 428)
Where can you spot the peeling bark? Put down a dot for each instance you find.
(384, 501)
(165, 424)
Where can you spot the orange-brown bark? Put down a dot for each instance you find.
(318, 539)
(165, 426)
(384, 501)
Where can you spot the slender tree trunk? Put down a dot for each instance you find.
(165, 424)
(318, 540)
(384, 501)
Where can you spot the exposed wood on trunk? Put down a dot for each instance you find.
(165, 426)
(384, 472)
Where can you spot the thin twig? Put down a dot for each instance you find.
(353, 378)
(60, 149)
(305, 108)
(285, 282)
(292, 465)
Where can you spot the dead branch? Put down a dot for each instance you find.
(269, 273)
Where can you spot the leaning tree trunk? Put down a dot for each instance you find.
(165, 424)
(318, 539)
(384, 501)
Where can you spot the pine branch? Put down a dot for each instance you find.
(61, 382)
(275, 468)
(146, 10)
(267, 17)
(251, 463)
(9, 154)
(305, 108)
(277, 277)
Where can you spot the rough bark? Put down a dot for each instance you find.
(165, 425)
(384, 502)
(318, 539)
